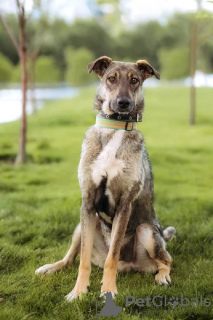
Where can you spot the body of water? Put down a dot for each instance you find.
(10, 100)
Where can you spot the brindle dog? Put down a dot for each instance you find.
(119, 230)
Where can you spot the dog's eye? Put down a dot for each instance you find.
(134, 80)
(112, 79)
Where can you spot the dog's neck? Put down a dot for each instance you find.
(118, 121)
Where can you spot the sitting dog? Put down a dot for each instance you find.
(118, 229)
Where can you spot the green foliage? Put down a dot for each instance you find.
(77, 61)
(56, 40)
(6, 69)
(40, 207)
(46, 70)
(137, 44)
(174, 63)
(6, 46)
(16, 75)
(207, 57)
(91, 35)
(177, 31)
(143, 41)
(204, 23)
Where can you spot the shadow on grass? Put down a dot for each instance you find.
(10, 158)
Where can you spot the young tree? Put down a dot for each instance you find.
(22, 51)
(35, 34)
(193, 62)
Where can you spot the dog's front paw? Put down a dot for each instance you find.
(162, 278)
(105, 293)
(76, 293)
(109, 288)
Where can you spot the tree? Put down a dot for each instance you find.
(176, 32)
(89, 34)
(36, 32)
(193, 60)
(205, 41)
(6, 46)
(193, 63)
(6, 69)
(77, 60)
(22, 52)
(57, 38)
(174, 62)
(16, 74)
(136, 44)
(108, 14)
(46, 70)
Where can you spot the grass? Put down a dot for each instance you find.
(40, 202)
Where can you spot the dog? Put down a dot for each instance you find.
(118, 229)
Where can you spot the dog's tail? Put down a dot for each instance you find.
(169, 233)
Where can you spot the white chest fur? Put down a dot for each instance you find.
(106, 164)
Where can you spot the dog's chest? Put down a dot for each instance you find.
(110, 167)
(106, 170)
(107, 164)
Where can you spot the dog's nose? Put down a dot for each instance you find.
(123, 102)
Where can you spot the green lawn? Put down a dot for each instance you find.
(40, 202)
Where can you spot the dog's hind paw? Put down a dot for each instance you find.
(163, 279)
(50, 268)
(169, 233)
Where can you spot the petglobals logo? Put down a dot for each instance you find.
(108, 307)
(160, 301)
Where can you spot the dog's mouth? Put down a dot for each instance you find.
(122, 106)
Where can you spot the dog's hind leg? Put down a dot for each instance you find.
(69, 257)
(152, 241)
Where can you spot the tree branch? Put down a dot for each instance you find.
(12, 37)
(34, 53)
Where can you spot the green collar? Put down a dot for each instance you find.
(115, 124)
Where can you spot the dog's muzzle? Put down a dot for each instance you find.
(122, 105)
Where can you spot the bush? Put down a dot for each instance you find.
(6, 69)
(77, 61)
(174, 63)
(16, 75)
(46, 70)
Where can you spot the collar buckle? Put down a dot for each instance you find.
(127, 124)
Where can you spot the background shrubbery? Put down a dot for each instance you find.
(46, 70)
(77, 60)
(67, 48)
(6, 69)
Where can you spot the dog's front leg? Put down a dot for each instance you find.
(111, 264)
(88, 225)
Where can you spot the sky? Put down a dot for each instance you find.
(135, 11)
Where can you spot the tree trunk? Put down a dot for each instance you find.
(21, 157)
(193, 69)
(31, 76)
(193, 60)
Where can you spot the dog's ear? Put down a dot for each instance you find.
(99, 66)
(147, 69)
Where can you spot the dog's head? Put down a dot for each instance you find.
(121, 84)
